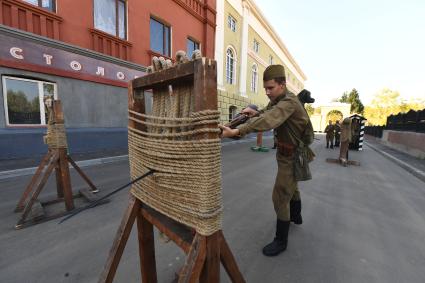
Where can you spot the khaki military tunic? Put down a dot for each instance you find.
(278, 115)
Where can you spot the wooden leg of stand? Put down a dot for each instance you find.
(146, 249)
(66, 179)
(211, 270)
(59, 187)
(40, 186)
(192, 269)
(84, 176)
(229, 261)
(33, 181)
(120, 241)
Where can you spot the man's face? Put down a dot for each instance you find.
(273, 89)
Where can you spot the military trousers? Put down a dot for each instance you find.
(285, 187)
(329, 139)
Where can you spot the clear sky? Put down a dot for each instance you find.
(346, 44)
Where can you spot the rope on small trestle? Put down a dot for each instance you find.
(186, 185)
(56, 136)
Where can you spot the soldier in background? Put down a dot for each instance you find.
(337, 133)
(330, 130)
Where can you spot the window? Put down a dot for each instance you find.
(232, 112)
(254, 78)
(160, 37)
(256, 46)
(191, 46)
(230, 66)
(23, 100)
(110, 17)
(46, 4)
(231, 23)
(271, 60)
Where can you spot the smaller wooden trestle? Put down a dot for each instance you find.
(57, 160)
(339, 161)
(204, 253)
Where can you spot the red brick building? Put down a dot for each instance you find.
(84, 52)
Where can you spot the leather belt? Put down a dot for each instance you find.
(286, 149)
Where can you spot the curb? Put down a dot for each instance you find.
(99, 161)
(415, 172)
(81, 164)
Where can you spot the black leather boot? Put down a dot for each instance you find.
(280, 242)
(295, 211)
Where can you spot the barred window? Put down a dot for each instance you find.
(160, 37)
(110, 16)
(256, 46)
(230, 66)
(191, 46)
(254, 78)
(232, 112)
(45, 4)
(231, 23)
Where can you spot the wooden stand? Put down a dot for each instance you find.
(204, 253)
(56, 159)
(338, 161)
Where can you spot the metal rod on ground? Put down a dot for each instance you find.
(93, 204)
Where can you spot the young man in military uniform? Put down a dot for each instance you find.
(287, 117)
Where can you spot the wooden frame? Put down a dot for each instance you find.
(57, 160)
(204, 253)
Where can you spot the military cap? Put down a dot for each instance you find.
(273, 71)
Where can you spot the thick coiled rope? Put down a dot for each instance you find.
(56, 136)
(186, 185)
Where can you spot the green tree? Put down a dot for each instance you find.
(354, 99)
(334, 115)
(387, 102)
(309, 109)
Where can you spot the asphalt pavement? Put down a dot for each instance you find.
(361, 224)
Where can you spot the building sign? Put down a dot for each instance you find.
(22, 54)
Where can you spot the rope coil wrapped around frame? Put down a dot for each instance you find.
(56, 136)
(176, 142)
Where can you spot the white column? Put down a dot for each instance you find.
(219, 43)
(244, 49)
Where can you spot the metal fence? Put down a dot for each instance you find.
(375, 131)
(412, 121)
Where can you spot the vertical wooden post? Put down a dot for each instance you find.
(146, 249)
(59, 187)
(211, 271)
(65, 179)
(205, 84)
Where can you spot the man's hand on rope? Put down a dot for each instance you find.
(227, 132)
